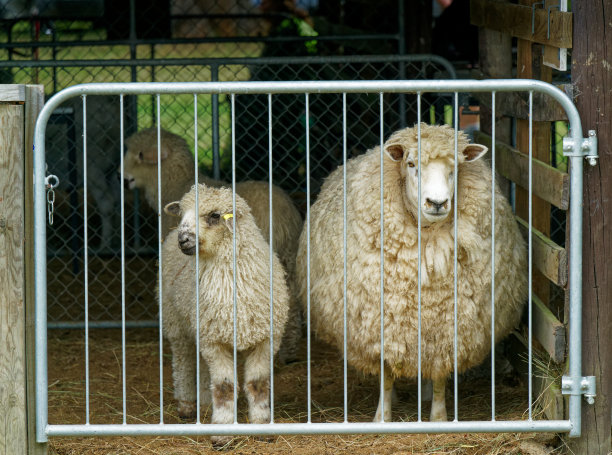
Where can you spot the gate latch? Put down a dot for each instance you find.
(585, 385)
(588, 147)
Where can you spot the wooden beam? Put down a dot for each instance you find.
(516, 21)
(12, 93)
(516, 104)
(13, 424)
(529, 66)
(548, 257)
(548, 330)
(592, 77)
(549, 184)
(495, 53)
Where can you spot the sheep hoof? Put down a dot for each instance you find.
(221, 442)
(438, 415)
(187, 410)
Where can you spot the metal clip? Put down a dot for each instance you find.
(588, 148)
(584, 386)
(51, 182)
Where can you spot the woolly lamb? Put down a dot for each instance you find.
(178, 177)
(216, 303)
(400, 261)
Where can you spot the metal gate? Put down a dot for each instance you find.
(64, 150)
(576, 148)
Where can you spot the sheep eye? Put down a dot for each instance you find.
(215, 215)
(410, 164)
(140, 156)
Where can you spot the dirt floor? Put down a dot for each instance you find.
(67, 404)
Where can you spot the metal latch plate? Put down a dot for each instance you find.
(588, 147)
(585, 385)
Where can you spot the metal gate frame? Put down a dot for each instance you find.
(576, 148)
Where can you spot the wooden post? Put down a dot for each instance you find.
(592, 78)
(495, 52)
(16, 435)
(529, 66)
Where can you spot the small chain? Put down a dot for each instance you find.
(51, 182)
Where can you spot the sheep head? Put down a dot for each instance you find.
(142, 157)
(216, 219)
(436, 168)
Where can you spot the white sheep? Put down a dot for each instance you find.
(177, 177)
(401, 211)
(216, 297)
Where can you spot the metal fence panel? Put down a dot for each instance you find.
(308, 90)
(64, 157)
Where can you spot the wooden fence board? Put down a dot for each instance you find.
(516, 21)
(549, 183)
(548, 257)
(12, 312)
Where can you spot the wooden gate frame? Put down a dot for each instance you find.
(19, 108)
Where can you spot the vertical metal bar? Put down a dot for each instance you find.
(214, 70)
(234, 255)
(419, 378)
(344, 248)
(159, 246)
(493, 256)
(197, 254)
(401, 24)
(123, 355)
(308, 341)
(85, 258)
(455, 223)
(576, 165)
(40, 276)
(382, 264)
(271, 256)
(529, 309)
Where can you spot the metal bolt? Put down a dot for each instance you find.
(592, 133)
(592, 160)
(590, 399)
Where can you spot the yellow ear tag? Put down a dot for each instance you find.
(227, 216)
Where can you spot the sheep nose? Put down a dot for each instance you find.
(183, 238)
(438, 205)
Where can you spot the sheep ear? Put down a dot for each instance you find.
(474, 152)
(173, 209)
(395, 152)
(150, 155)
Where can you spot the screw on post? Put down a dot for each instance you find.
(51, 182)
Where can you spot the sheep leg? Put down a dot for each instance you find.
(184, 375)
(385, 398)
(438, 402)
(257, 383)
(221, 369)
(292, 335)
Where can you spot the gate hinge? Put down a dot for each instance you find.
(585, 385)
(588, 148)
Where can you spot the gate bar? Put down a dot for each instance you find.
(243, 429)
(257, 87)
